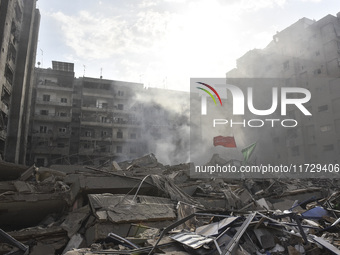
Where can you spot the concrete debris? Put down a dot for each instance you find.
(144, 207)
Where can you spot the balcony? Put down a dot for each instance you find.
(4, 108)
(49, 85)
(94, 108)
(55, 103)
(51, 150)
(52, 118)
(95, 123)
(3, 135)
(94, 93)
(96, 138)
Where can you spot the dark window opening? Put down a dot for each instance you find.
(46, 98)
(119, 134)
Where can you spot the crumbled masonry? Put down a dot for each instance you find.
(144, 207)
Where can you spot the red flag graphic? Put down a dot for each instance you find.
(226, 141)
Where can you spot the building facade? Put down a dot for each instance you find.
(307, 55)
(19, 27)
(93, 120)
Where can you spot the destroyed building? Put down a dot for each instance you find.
(305, 54)
(19, 27)
(141, 206)
(93, 121)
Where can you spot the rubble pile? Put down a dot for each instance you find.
(144, 207)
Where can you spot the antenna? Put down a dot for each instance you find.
(101, 73)
(84, 70)
(42, 58)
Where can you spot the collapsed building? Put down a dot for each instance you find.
(141, 206)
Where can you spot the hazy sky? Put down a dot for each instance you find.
(163, 43)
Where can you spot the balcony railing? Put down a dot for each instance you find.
(53, 117)
(57, 103)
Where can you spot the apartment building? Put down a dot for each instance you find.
(19, 26)
(83, 120)
(111, 121)
(306, 54)
(51, 113)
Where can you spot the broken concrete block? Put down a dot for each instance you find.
(74, 243)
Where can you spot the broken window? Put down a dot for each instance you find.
(119, 149)
(119, 134)
(46, 98)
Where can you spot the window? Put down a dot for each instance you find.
(88, 133)
(323, 108)
(133, 150)
(63, 100)
(44, 112)
(103, 119)
(120, 107)
(46, 98)
(61, 145)
(62, 130)
(328, 147)
(133, 136)
(120, 93)
(87, 146)
(104, 133)
(119, 149)
(63, 114)
(43, 129)
(325, 128)
(119, 134)
(105, 105)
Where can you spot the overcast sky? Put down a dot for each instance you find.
(162, 43)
